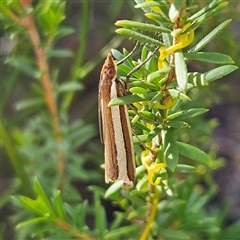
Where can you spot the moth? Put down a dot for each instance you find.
(115, 128)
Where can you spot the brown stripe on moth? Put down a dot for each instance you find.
(115, 129)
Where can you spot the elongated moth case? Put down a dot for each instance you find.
(115, 129)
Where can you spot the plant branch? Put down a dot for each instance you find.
(152, 214)
(40, 52)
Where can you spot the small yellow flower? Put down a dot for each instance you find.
(182, 41)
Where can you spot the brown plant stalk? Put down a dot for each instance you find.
(28, 23)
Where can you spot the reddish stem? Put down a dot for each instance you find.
(28, 23)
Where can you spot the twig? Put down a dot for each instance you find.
(28, 23)
(152, 214)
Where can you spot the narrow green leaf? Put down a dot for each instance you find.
(39, 190)
(24, 65)
(32, 221)
(209, 7)
(140, 125)
(185, 114)
(197, 79)
(210, 57)
(138, 90)
(100, 221)
(117, 221)
(51, 16)
(138, 36)
(144, 84)
(142, 184)
(219, 72)
(131, 99)
(148, 116)
(77, 213)
(209, 37)
(193, 153)
(157, 17)
(32, 205)
(143, 139)
(158, 74)
(29, 103)
(119, 233)
(152, 64)
(147, 5)
(80, 219)
(124, 100)
(185, 168)
(135, 198)
(221, 5)
(170, 149)
(175, 234)
(124, 68)
(162, 81)
(141, 26)
(130, 61)
(117, 54)
(113, 189)
(63, 31)
(43, 229)
(181, 71)
(176, 94)
(60, 53)
(58, 205)
(70, 86)
(206, 14)
(144, 53)
(99, 212)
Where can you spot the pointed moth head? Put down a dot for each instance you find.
(109, 68)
